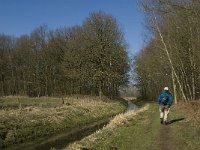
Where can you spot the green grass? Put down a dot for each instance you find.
(144, 132)
(14, 102)
(47, 116)
(186, 134)
(138, 134)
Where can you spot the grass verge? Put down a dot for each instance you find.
(117, 134)
(184, 129)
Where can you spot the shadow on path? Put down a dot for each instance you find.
(175, 120)
(166, 138)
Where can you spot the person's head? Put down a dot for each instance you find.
(166, 89)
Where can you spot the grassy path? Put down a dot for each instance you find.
(165, 138)
(144, 132)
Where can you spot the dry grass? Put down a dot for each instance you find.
(50, 115)
(130, 98)
(117, 121)
(56, 113)
(125, 118)
(192, 111)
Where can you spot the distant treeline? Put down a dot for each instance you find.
(172, 55)
(86, 59)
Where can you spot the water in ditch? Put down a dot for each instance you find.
(62, 140)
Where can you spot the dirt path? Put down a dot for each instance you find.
(166, 140)
(175, 136)
(167, 133)
(165, 137)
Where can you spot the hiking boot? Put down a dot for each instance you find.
(161, 120)
(165, 122)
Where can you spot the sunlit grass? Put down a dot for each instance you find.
(118, 121)
(143, 131)
(28, 118)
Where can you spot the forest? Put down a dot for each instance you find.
(90, 59)
(172, 56)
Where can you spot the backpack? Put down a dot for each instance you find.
(164, 100)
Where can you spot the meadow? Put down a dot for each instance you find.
(25, 119)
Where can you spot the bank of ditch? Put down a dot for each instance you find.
(36, 120)
(98, 140)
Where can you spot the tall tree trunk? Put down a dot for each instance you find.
(170, 61)
(46, 81)
(3, 85)
(174, 88)
(100, 92)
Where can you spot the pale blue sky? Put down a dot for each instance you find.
(19, 17)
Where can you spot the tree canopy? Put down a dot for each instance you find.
(172, 56)
(86, 59)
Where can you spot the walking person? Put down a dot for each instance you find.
(165, 101)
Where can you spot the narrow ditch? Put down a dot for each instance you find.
(62, 140)
(131, 106)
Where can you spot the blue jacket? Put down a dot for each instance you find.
(165, 94)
